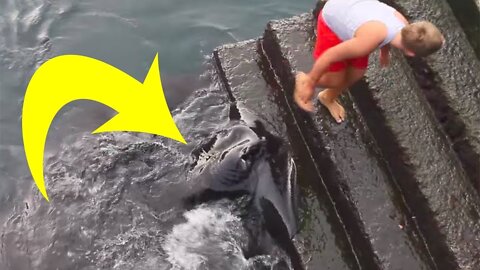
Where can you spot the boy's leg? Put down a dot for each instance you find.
(332, 79)
(336, 75)
(335, 87)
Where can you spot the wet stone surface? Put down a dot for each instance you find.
(432, 179)
(467, 14)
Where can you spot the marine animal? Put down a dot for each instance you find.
(244, 161)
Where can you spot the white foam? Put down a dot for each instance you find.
(207, 238)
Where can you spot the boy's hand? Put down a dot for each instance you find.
(304, 88)
(385, 56)
(384, 60)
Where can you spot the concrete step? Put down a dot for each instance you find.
(366, 197)
(432, 179)
(467, 13)
(322, 240)
(450, 78)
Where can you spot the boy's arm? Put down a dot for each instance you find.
(385, 55)
(385, 50)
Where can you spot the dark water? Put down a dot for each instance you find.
(117, 198)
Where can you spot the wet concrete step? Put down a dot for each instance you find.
(377, 220)
(433, 181)
(321, 235)
(450, 78)
(467, 13)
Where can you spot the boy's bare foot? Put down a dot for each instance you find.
(336, 110)
(303, 92)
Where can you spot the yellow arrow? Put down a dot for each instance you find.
(63, 79)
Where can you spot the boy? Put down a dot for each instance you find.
(347, 32)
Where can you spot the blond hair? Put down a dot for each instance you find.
(422, 38)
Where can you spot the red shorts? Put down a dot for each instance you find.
(326, 39)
